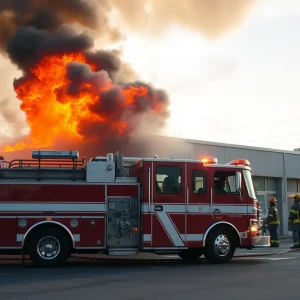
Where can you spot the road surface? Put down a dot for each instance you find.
(154, 277)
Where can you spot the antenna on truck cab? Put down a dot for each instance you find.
(119, 162)
(2, 162)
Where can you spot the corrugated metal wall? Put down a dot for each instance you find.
(263, 163)
(292, 163)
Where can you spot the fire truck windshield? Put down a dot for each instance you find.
(249, 184)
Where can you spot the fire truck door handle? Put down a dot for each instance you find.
(216, 210)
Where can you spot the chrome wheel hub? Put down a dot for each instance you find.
(48, 247)
(222, 245)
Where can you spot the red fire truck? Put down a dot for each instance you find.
(56, 204)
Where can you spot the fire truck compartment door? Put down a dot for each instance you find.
(123, 222)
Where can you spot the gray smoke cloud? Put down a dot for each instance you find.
(51, 14)
(213, 18)
(13, 121)
(32, 29)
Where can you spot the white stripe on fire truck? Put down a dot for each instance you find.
(199, 237)
(169, 228)
(53, 207)
(187, 237)
(19, 237)
(147, 237)
(81, 207)
(202, 208)
(192, 237)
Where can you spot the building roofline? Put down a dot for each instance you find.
(231, 145)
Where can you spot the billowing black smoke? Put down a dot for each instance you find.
(28, 45)
(124, 107)
(48, 15)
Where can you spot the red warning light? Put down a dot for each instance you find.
(208, 160)
(240, 162)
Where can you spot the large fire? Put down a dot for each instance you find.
(59, 101)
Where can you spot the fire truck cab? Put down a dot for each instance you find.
(55, 205)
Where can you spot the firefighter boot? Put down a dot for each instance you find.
(274, 244)
(296, 246)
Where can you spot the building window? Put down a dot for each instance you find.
(271, 184)
(168, 180)
(259, 184)
(199, 181)
(292, 186)
(225, 183)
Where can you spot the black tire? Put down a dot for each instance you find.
(55, 237)
(191, 255)
(212, 252)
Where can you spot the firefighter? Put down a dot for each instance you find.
(220, 184)
(294, 218)
(273, 222)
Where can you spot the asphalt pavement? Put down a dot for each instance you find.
(147, 276)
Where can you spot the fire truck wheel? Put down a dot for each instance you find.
(219, 246)
(191, 255)
(49, 247)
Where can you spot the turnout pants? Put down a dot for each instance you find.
(296, 234)
(274, 235)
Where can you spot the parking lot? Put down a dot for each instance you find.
(150, 276)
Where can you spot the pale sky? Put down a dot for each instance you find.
(241, 89)
(247, 81)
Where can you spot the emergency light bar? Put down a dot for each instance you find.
(38, 154)
(240, 162)
(208, 160)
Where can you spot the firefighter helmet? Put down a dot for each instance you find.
(297, 197)
(272, 200)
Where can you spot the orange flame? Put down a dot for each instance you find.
(53, 113)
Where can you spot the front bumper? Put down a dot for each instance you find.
(260, 241)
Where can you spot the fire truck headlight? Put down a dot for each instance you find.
(22, 223)
(253, 228)
(74, 223)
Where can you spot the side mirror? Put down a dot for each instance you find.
(238, 184)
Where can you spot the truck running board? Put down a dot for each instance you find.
(122, 252)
